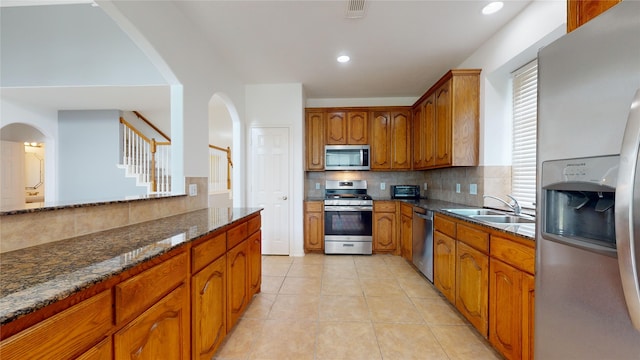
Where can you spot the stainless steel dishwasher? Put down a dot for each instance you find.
(423, 241)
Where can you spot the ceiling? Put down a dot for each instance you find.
(398, 49)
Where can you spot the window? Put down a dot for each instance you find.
(523, 171)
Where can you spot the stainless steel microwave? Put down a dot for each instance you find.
(346, 157)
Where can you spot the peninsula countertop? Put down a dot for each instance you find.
(35, 277)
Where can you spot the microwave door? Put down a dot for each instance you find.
(627, 213)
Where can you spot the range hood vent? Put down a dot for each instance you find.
(355, 9)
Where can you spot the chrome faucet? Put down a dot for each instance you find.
(515, 206)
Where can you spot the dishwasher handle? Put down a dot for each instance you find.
(426, 215)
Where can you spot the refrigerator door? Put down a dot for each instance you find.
(627, 211)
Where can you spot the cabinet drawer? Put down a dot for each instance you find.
(513, 253)
(406, 210)
(384, 206)
(313, 206)
(253, 225)
(475, 238)
(64, 335)
(236, 235)
(444, 225)
(135, 295)
(208, 251)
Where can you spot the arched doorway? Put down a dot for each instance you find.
(224, 133)
(22, 160)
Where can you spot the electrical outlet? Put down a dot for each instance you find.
(193, 189)
(458, 188)
(383, 186)
(424, 186)
(317, 186)
(473, 189)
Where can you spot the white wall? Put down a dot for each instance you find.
(513, 46)
(282, 105)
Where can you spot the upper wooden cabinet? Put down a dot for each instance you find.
(449, 119)
(314, 140)
(581, 11)
(347, 128)
(391, 139)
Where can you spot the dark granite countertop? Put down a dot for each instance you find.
(35, 277)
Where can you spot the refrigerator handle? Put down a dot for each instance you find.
(627, 213)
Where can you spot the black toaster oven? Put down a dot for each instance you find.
(405, 191)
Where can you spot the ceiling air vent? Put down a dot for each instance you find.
(355, 9)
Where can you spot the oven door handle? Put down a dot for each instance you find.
(348, 208)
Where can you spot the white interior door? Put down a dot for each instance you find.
(269, 173)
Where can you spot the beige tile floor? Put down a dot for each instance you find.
(350, 307)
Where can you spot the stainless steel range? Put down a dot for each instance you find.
(348, 214)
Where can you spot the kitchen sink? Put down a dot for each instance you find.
(503, 219)
(474, 212)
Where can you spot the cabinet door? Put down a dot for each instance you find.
(357, 128)
(444, 265)
(102, 351)
(418, 137)
(406, 233)
(209, 300)
(336, 128)
(472, 288)
(313, 226)
(161, 332)
(314, 141)
(528, 301)
(237, 282)
(384, 232)
(255, 262)
(581, 11)
(443, 125)
(381, 140)
(428, 131)
(400, 140)
(505, 297)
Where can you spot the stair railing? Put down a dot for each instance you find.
(146, 158)
(219, 168)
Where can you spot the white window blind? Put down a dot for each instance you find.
(523, 171)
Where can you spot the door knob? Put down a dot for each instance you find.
(284, 197)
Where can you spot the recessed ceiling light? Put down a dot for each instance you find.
(343, 59)
(492, 7)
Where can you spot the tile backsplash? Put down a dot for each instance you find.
(25, 230)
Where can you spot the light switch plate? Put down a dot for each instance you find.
(458, 188)
(425, 187)
(473, 189)
(317, 186)
(383, 186)
(193, 189)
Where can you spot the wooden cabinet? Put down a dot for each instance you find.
(450, 112)
(423, 134)
(391, 140)
(314, 140)
(444, 265)
(347, 128)
(511, 298)
(255, 262)
(406, 231)
(65, 335)
(313, 226)
(161, 332)
(237, 282)
(209, 305)
(472, 286)
(102, 351)
(385, 226)
(581, 11)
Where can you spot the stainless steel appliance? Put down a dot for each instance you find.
(423, 241)
(348, 218)
(587, 302)
(405, 191)
(346, 157)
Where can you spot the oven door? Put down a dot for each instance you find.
(348, 229)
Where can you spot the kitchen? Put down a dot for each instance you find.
(378, 185)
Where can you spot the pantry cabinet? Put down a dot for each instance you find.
(313, 226)
(385, 226)
(580, 12)
(347, 128)
(391, 140)
(314, 140)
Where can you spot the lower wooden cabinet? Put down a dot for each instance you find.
(385, 226)
(161, 332)
(237, 282)
(406, 231)
(209, 309)
(472, 288)
(102, 351)
(255, 262)
(444, 265)
(313, 226)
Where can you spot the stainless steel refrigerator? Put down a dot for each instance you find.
(587, 295)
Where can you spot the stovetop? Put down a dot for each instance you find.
(348, 196)
(347, 193)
